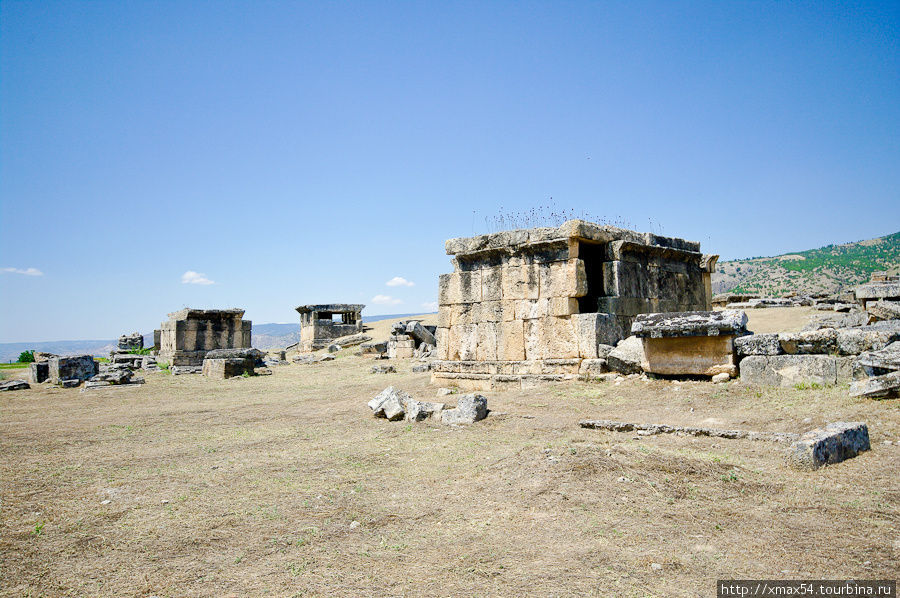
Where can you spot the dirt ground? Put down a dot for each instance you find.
(285, 485)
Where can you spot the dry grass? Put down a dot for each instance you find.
(248, 487)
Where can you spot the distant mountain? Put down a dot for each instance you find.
(265, 336)
(828, 269)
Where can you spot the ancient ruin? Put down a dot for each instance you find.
(189, 334)
(321, 324)
(533, 304)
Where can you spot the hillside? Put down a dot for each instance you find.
(828, 269)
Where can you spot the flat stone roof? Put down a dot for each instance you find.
(189, 313)
(334, 308)
(572, 229)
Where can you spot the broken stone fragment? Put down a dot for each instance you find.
(592, 368)
(690, 323)
(884, 310)
(877, 387)
(122, 376)
(790, 370)
(383, 369)
(853, 341)
(626, 358)
(720, 378)
(70, 383)
(420, 333)
(469, 409)
(13, 385)
(421, 410)
(835, 443)
(389, 403)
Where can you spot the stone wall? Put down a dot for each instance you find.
(190, 333)
(546, 297)
(79, 367)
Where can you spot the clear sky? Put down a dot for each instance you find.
(306, 152)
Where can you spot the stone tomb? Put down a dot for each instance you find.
(228, 363)
(699, 343)
(532, 304)
(190, 333)
(321, 324)
(78, 368)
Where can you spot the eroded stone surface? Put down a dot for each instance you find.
(791, 370)
(835, 443)
(693, 323)
(877, 387)
(626, 358)
(13, 385)
(469, 409)
(757, 344)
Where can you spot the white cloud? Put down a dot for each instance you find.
(430, 305)
(191, 277)
(26, 271)
(385, 300)
(399, 281)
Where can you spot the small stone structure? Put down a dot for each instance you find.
(77, 368)
(191, 333)
(532, 304)
(130, 342)
(228, 363)
(318, 327)
(699, 343)
(38, 371)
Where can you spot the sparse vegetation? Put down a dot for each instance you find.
(26, 357)
(548, 215)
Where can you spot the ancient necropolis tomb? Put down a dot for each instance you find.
(191, 333)
(532, 304)
(319, 324)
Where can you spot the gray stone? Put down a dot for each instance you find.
(878, 290)
(334, 348)
(122, 376)
(876, 387)
(469, 409)
(884, 309)
(790, 370)
(603, 350)
(591, 368)
(835, 443)
(853, 341)
(690, 323)
(13, 385)
(421, 367)
(180, 370)
(757, 344)
(367, 348)
(389, 403)
(421, 410)
(836, 321)
(38, 371)
(237, 353)
(720, 378)
(383, 369)
(351, 340)
(70, 383)
(595, 329)
(79, 367)
(627, 356)
(887, 359)
(128, 342)
(420, 333)
(816, 342)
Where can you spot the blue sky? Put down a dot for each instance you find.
(292, 152)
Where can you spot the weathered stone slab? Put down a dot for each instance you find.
(887, 359)
(790, 370)
(689, 356)
(757, 344)
(351, 340)
(70, 383)
(884, 309)
(221, 368)
(836, 321)
(853, 341)
(418, 411)
(876, 387)
(469, 409)
(627, 357)
(238, 353)
(816, 342)
(390, 403)
(878, 290)
(837, 442)
(13, 385)
(420, 333)
(80, 367)
(593, 367)
(383, 369)
(118, 376)
(129, 342)
(692, 323)
(182, 370)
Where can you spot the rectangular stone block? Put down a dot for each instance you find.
(520, 282)
(595, 329)
(511, 341)
(459, 287)
(80, 367)
(534, 339)
(529, 309)
(220, 369)
(790, 370)
(488, 336)
(692, 355)
(490, 311)
(491, 287)
(443, 318)
(464, 313)
(559, 338)
(837, 442)
(564, 279)
(443, 338)
(463, 341)
(563, 306)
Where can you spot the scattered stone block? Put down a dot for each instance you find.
(383, 369)
(130, 342)
(626, 358)
(721, 378)
(228, 367)
(757, 344)
(591, 368)
(70, 383)
(6, 385)
(837, 442)
(420, 333)
(469, 409)
(884, 309)
(791, 370)
(389, 403)
(113, 376)
(334, 348)
(351, 340)
(853, 341)
(421, 367)
(79, 367)
(181, 370)
(877, 387)
(418, 411)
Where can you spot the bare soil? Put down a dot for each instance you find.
(285, 485)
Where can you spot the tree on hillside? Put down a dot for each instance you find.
(26, 357)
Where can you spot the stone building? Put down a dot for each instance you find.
(320, 324)
(532, 304)
(191, 333)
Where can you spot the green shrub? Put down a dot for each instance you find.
(26, 357)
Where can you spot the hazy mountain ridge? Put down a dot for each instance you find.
(828, 269)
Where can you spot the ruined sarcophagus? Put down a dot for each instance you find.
(699, 343)
(532, 304)
(191, 333)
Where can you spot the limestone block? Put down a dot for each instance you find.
(80, 367)
(489, 311)
(627, 357)
(511, 341)
(593, 367)
(790, 370)
(689, 355)
(884, 309)
(822, 342)
(563, 306)
(876, 387)
(690, 323)
(491, 287)
(757, 344)
(594, 329)
(853, 341)
(442, 335)
(520, 282)
(488, 341)
(469, 409)
(837, 442)
(534, 339)
(508, 310)
(459, 287)
(463, 314)
(564, 279)
(420, 333)
(227, 367)
(559, 338)
(463, 342)
(14, 385)
(529, 309)
(443, 318)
